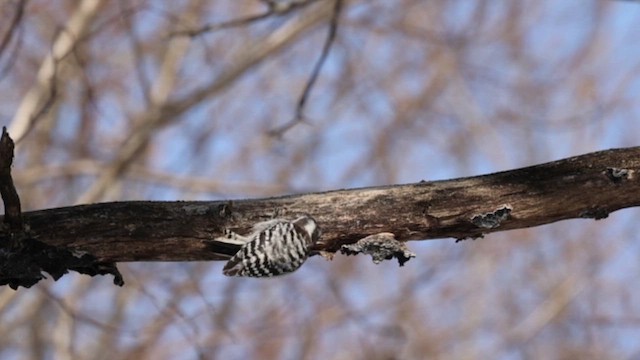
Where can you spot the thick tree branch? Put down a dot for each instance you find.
(587, 186)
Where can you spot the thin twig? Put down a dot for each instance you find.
(17, 17)
(136, 50)
(304, 96)
(14, 31)
(224, 25)
(331, 35)
(275, 9)
(12, 57)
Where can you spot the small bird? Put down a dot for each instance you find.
(274, 247)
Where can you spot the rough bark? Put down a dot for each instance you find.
(24, 259)
(587, 186)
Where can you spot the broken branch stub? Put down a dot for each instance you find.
(23, 259)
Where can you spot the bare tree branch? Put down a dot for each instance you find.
(275, 8)
(41, 95)
(586, 186)
(139, 137)
(164, 108)
(13, 27)
(304, 96)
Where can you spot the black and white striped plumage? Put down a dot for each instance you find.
(274, 248)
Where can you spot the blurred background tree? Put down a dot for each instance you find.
(109, 100)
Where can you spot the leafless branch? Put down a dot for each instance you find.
(136, 48)
(164, 108)
(40, 96)
(587, 186)
(13, 26)
(331, 35)
(275, 8)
